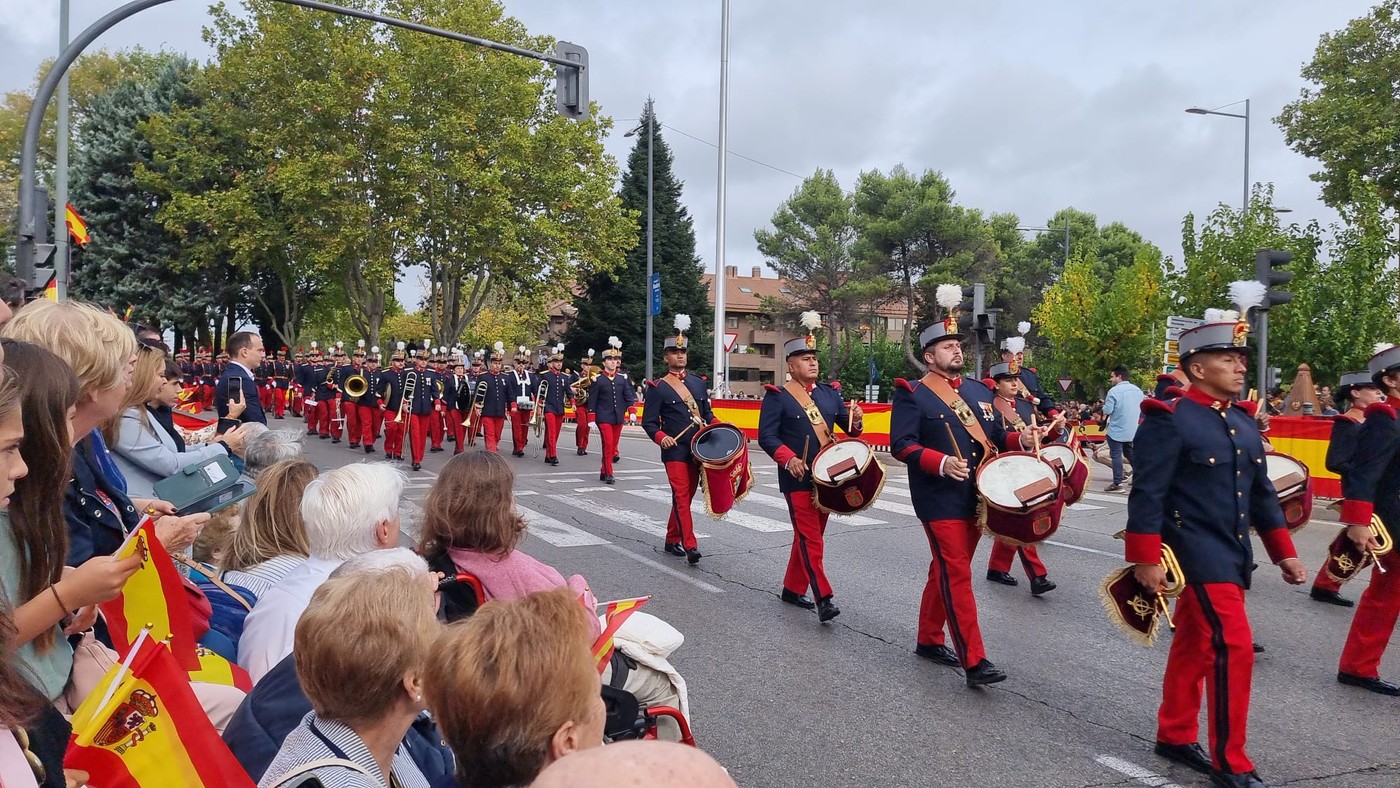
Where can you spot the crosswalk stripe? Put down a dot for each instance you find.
(625, 517)
(564, 481)
(778, 502)
(883, 502)
(1122, 500)
(1084, 507)
(557, 533)
(741, 519)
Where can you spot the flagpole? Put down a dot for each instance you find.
(125, 666)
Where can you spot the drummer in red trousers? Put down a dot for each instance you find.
(794, 423)
(1015, 411)
(943, 427)
(677, 405)
(1360, 392)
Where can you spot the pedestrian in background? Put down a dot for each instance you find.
(1122, 408)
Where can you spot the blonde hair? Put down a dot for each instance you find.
(358, 639)
(503, 681)
(471, 507)
(150, 364)
(271, 523)
(93, 342)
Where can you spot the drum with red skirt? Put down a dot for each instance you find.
(1074, 467)
(846, 477)
(723, 452)
(1022, 497)
(1293, 483)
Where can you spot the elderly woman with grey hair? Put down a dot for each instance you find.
(263, 448)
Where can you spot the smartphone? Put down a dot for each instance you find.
(235, 393)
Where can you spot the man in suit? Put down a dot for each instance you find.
(245, 355)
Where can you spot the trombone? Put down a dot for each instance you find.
(537, 417)
(473, 420)
(410, 387)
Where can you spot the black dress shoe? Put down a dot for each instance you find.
(1330, 597)
(1376, 685)
(938, 653)
(355, 445)
(608, 479)
(1041, 585)
(334, 440)
(1247, 780)
(799, 600)
(417, 467)
(369, 450)
(517, 453)
(1190, 755)
(984, 672)
(1004, 578)
(827, 610)
(692, 555)
(311, 432)
(1258, 649)
(435, 449)
(617, 458)
(324, 437)
(674, 548)
(583, 452)
(281, 417)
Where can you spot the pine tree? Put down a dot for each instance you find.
(615, 304)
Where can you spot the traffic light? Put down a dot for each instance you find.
(1266, 265)
(984, 321)
(967, 310)
(571, 84)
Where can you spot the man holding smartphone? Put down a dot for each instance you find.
(236, 382)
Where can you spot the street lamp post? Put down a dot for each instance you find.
(721, 355)
(1052, 230)
(651, 183)
(1244, 206)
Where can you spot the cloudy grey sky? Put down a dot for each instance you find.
(1025, 106)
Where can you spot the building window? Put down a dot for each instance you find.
(895, 325)
(746, 290)
(731, 321)
(741, 375)
(763, 350)
(765, 376)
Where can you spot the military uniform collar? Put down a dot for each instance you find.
(1199, 397)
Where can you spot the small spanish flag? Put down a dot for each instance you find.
(214, 669)
(153, 594)
(614, 614)
(143, 726)
(76, 226)
(51, 289)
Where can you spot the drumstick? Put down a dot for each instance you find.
(957, 450)
(806, 443)
(1035, 435)
(850, 416)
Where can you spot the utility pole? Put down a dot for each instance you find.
(651, 221)
(721, 356)
(61, 240)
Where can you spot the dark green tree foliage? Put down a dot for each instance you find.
(130, 260)
(614, 304)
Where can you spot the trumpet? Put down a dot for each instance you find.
(473, 420)
(410, 387)
(1345, 561)
(356, 386)
(537, 417)
(1176, 583)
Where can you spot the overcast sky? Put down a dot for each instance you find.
(1025, 106)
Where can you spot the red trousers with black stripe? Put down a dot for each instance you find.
(581, 428)
(552, 424)
(1002, 553)
(611, 435)
(948, 599)
(1371, 627)
(1213, 646)
(684, 477)
(805, 569)
(491, 429)
(520, 429)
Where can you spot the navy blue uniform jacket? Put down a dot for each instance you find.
(1199, 483)
(609, 398)
(235, 376)
(1046, 403)
(497, 392)
(665, 414)
(426, 393)
(1341, 445)
(1372, 484)
(920, 438)
(556, 391)
(784, 429)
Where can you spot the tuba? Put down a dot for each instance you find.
(1345, 561)
(580, 387)
(356, 386)
(1135, 609)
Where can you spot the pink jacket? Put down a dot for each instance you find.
(516, 574)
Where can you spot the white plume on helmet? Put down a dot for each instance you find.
(313, 344)
(499, 347)
(400, 346)
(1247, 294)
(520, 349)
(1215, 315)
(1023, 327)
(591, 352)
(339, 344)
(374, 350)
(360, 343)
(682, 322)
(559, 348)
(1016, 344)
(614, 342)
(948, 296)
(1229, 315)
(810, 320)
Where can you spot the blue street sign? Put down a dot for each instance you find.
(655, 295)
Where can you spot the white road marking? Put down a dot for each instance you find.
(565, 481)
(557, 533)
(1121, 500)
(519, 493)
(595, 489)
(781, 503)
(625, 517)
(1118, 555)
(882, 503)
(741, 519)
(1141, 774)
(1084, 507)
(679, 575)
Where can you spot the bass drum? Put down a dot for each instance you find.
(1022, 497)
(1072, 465)
(723, 452)
(847, 477)
(1293, 483)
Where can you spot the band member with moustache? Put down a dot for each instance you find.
(556, 393)
(1371, 487)
(438, 426)
(423, 408)
(390, 387)
(1201, 482)
(1359, 392)
(370, 411)
(609, 397)
(794, 423)
(676, 405)
(294, 385)
(1014, 412)
(522, 384)
(494, 391)
(943, 427)
(350, 406)
(581, 414)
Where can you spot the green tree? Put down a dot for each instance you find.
(1221, 250)
(1348, 119)
(614, 303)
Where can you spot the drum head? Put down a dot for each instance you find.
(1002, 476)
(1061, 452)
(836, 454)
(1285, 472)
(717, 443)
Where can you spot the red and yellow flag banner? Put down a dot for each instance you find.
(153, 596)
(613, 615)
(214, 669)
(143, 726)
(76, 226)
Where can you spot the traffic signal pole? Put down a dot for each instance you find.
(1266, 263)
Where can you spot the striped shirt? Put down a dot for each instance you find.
(258, 578)
(316, 739)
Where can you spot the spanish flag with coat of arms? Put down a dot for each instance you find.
(154, 596)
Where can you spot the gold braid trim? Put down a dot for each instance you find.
(1116, 616)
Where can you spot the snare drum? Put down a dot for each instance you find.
(1073, 467)
(846, 477)
(1293, 484)
(1022, 497)
(723, 453)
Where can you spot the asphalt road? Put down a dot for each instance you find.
(782, 700)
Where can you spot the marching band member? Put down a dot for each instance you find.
(281, 383)
(943, 427)
(461, 386)
(350, 406)
(390, 388)
(494, 391)
(438, 425)
(794, 423)
(318, 396)
(1371, 486)
(422, 408)
(609, 397)
(262, 381)
(522, 391)
(555, 395)
(1014, 412)
(582, 380)
(676, 404)
(1014, 349)
(1201, 482)
(296, 392)
(329, 396)
(1360, 392)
